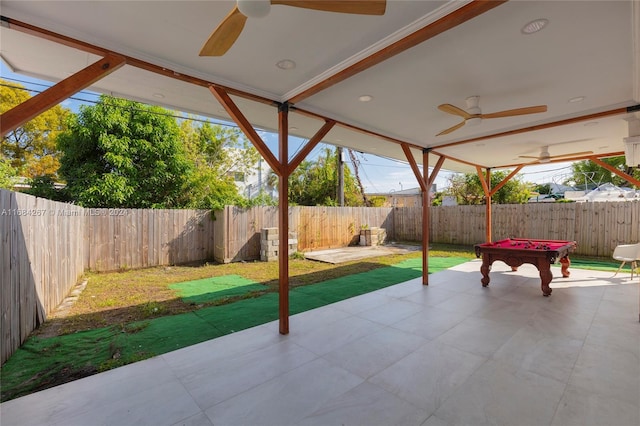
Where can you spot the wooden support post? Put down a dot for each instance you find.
(425, 182)
(426, 204)
(486, 187)
(488, 201)
(283, 217)
(20, 114)
(283, 168)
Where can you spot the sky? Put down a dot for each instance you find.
(378, 174)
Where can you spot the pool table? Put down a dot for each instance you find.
(516, 251)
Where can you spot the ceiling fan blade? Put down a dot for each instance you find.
(451, 109)
(517, 111)
(574, 154)
(359, 7)
(223, 37)
(451, 129)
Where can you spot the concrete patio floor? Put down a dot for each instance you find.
(348, 254)
(452, 353)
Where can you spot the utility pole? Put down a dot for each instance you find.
(260, 175)
(356, 162)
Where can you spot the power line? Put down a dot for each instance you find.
(95, 102)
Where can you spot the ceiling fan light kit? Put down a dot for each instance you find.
(254, 8)
(546, 157)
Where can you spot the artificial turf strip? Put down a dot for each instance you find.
(44, 360)
(597, 265)
(215, 288)
(331, 291)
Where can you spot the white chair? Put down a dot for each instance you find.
(627, 253)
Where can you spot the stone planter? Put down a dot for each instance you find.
(269, 244)
(373, 236)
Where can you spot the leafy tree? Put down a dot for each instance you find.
(262, 199)
(45, 187)
(120, 153)
(543, 188)
(587, 174)
(31, 148)
(377, 201)
(438, 198)
(7, 174)
(468, 190)
(315, 183)
(218, 153)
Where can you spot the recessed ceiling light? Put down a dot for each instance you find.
(534, 26)
(286, 64)
(576, 99)
(365, 98)
(293, 128)
(158, 95)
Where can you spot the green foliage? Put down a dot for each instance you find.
(543, 189)
(121, 153)
(315, 183)
(377, 201)
(468, 190)
(31, 148)
(217, 154)
(7, 174)
(44, 187)
(297, 255)
(437, 198)
(589, 174)
(262, 199)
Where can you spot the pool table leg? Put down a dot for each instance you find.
(545, 276)
(564, 266)
(484, 270)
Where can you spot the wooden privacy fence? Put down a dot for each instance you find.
(45, 247)
(41, 257)
(597, 227)
(237, 230)
(118, 239)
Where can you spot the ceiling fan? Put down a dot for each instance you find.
(545, 157)
(474, 116)
(223, 37)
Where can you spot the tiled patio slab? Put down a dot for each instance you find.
(452, 353)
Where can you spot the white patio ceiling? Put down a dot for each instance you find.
(589, 49)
